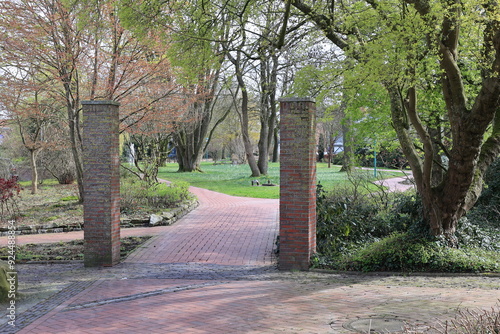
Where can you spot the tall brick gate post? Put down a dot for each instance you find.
(101, 167)
(297, 183)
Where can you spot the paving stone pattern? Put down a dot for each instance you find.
(26, 318)
(190, 284)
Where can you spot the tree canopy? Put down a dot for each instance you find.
(415, 49)
(430, 69)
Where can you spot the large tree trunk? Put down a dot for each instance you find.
(438, 169)
(189, 149)
(192, 138)
(186, 162)
(445, 203)
(268, 77)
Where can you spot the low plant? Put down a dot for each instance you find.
(466, 321)
(386, 232)
(348, 218)
(69, 198)
(404, 252)
(9, 190)
(486, 212)
(137, 195)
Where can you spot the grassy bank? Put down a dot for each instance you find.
(235, 179)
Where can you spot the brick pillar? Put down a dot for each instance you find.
(101, 185)
(297, 183)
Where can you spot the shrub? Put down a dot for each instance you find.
(389, 158)
(486, 212)
(59, 164)
(66, 177)
(472, 235)
(404, 252)
(338, 158)
(137, 195)
(347, 219)
(342, 221)
(387, 233)
(9, 189)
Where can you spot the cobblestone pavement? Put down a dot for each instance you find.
(214, 271)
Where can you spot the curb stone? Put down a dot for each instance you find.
(26, 318)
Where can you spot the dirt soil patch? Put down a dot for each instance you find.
(64, 251)
(54, 204)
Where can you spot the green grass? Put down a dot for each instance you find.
(45, 183)
(235, 179)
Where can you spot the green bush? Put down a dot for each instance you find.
(347, 220)
(137, 195)
(386, 232)
(342, 222)
(486, 212)
(403, 252)
(477, 236)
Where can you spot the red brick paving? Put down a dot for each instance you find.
(78, 235)
(232, 231)
(222, 230)
(253, 307)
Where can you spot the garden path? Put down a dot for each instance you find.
(218, 275)
(222, 230)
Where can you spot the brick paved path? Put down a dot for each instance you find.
(222, 230)
(214, 272)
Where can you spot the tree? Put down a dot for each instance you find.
(322, 79)
(150, 127)
(81, 50)
(197, 61)
(239, 64)
(260, 56)
(34, 128)
(31, 111)
(411, 48)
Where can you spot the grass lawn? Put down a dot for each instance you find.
(235, 180)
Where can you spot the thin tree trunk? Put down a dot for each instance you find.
(246, 136)
(347, 163)
(75, 139)
(268, 77)
(34, 171)
(263, 146)
(244, 121)
(276, 144)
(330, 149)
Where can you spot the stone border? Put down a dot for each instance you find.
(165, 218)
(42, 229)
(160, 219)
